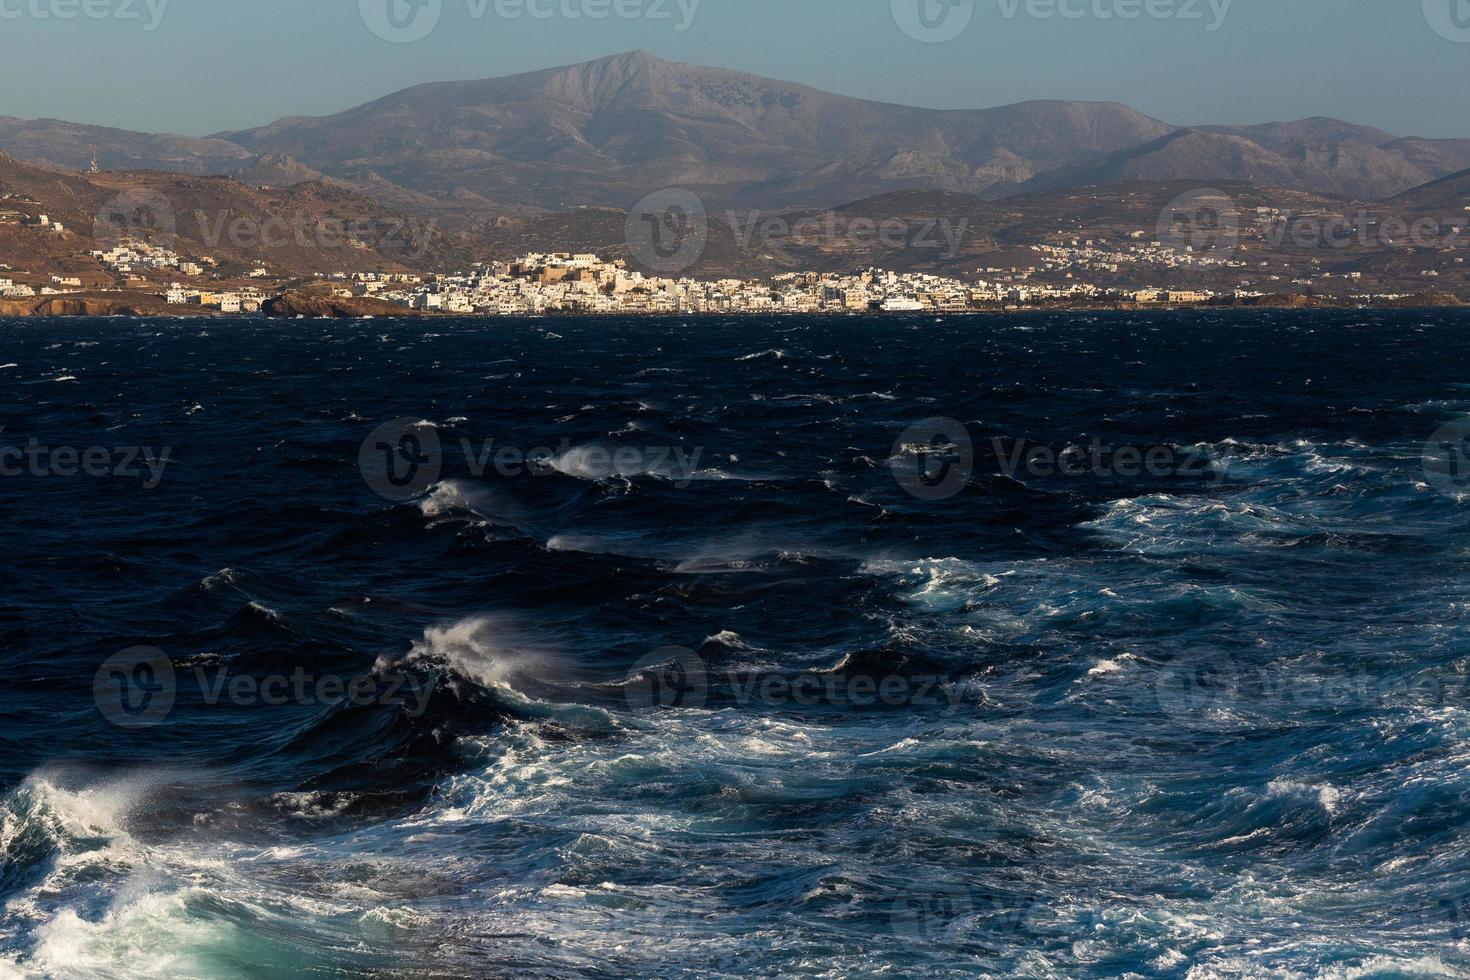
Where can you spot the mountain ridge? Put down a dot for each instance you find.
(607, 132)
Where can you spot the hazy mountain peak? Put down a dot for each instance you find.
(609, 131)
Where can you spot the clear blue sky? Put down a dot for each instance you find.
(213, 65)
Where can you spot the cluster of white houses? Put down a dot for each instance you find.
(10, 289)
(129, 257)
(585, 283)
(243, 301)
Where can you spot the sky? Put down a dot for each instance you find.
(202, 66)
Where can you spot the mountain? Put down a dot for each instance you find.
(608, 132)
(1321, 156)
(319, 226)
(278, 170)
(605, 133)
(68, 146)
(1448, 195)
(307, 227)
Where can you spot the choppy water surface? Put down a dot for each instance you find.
(704, 688)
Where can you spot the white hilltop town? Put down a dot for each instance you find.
(585, 283)
(1059, 272)
(538, 283)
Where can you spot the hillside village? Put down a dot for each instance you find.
(1133, 267)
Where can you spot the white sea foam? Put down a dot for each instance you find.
(488, 650)
(597, 463)
(941, 582)
(1325, 795)
(445, 499)
(264, 611)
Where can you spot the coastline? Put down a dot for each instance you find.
(290, 306)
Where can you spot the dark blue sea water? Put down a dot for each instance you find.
(750, 670)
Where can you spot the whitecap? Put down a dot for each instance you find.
(225, 576)
(445, 499)
(484, 649)
(1325, 795)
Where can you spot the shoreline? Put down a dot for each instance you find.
(296, 304)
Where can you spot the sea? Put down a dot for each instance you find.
(1043, 645)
